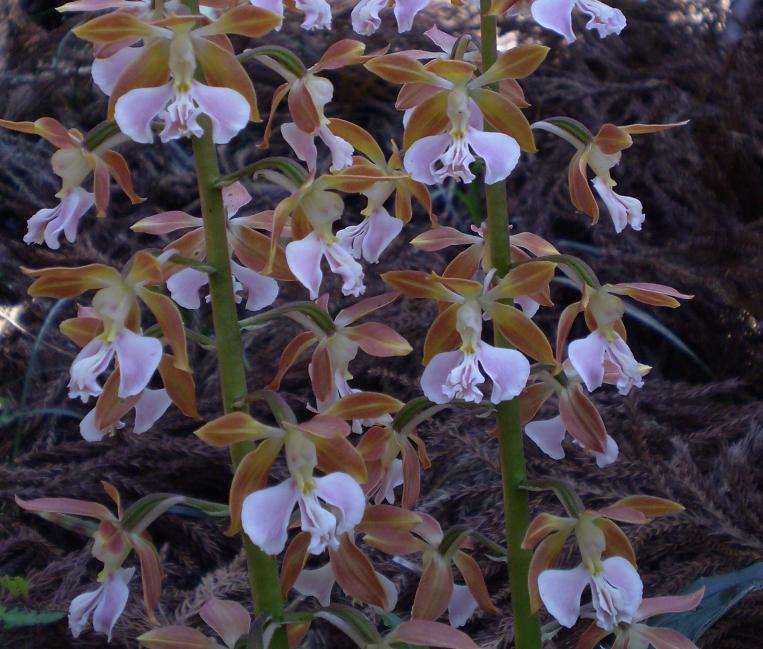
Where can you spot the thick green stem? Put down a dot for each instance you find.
(263, 569)
(510, 439)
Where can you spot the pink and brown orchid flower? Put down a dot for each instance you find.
(601, 152)
(448, 102)
(73, 162)
(158, 78)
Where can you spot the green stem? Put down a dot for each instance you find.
(510, 439)
(263, 569)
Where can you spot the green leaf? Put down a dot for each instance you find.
(16, 587)
(14, 618)
(722, 592)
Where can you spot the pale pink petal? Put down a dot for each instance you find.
(436, 373)
(560, 591)
(389, 590)
(184, 287)
(442, 39)
(624, 210)
(343, 492)
(316, 583)
(668, 604)
(138, 358)
(555, 15)
(382, 230)
(265, 515)
(228, 110)
(235, 196)
(88, 429)
(303, 144)
(621, 356)
(136, 109)
(604, 19)
(106, 71)
(48, 224)
(81, 608)
(261, 291)
(405, 12)
(499, 151)
(113, 601)
(527, 304)
(181, 118)
(616, 592)
(341, 150)
(151, 405)
(317, 521)
(341, 262)
(461, 606)
(548, 436)
(609, 455)
(92, 360)
(365, 16)
(304, 259)
(508, 369)
(276, 6)
(229, 619)
(587, 357)
(392, 478)
(421, 157)
(317, 14)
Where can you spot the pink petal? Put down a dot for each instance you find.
(389, 590)
(392, 478)
(319, 522)
(341, 150)
(341, 491)
(228, 110)
(622, 575)
(229, 619)
(151, 405)
(436, 374)
(604, 19)
(261, 291)
(671, 604)
(302, 143)
(92, 360)
(508, 369)
(135, 110)
(81, 608)
(265, 515)
(499, 151)
(555, 15)
(341, 262)
(405, 12)
(235, 196)
(184, 287)
(621, 355)
(609, 455)
(461, 606)
(165, 222)
(365, 16)
(420, 158)
(276, 6)
(587, 357)
(106, 71)
(304, 259)
(316, 583)
(624, 210)
(138, 358)
(560, 591)
(382, 230)
(113, 601)
(442, 39)
(527, 304)
(548, 436)
(317, 14)
(48, 224)
(88, 429)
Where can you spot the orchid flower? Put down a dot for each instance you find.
(456, 374)
(250, 246)
(157, 79)
(601, 152)
(105, 604)
(111, 329)
(556, 15)
(337, 344)
(115, 537)
(149, 407)
(445, 95)
(73, 162)
(636, 635)
(615, 584)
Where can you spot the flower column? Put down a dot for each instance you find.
(509, 432)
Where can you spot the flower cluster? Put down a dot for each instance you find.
(340, 476)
